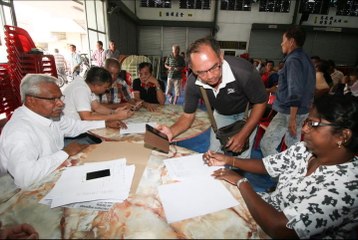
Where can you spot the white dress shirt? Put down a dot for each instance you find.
(31, 145)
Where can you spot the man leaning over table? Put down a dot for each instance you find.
(230, 84)
(32, 141)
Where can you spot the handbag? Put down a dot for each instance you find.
(224, 134)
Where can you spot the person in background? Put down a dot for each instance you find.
(268, 71)
(82, 103)
(323, 78)
(98, 54)
(119, 93)
(32, 141)
(336, 75)
(60, 62)
(74, 61)
(315, 60)
(20, 231)
(316, 195)
(147, 88)
(175, 65)
(112, 51)
(294, 94)
(230, 83)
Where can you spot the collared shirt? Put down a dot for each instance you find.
(178, 62)
(111, 54)
(118, 93)
(321, 205)
(31, 145)
(98, 57)
(296, 83)
(78, 98)
(240, 84)
(75, 59)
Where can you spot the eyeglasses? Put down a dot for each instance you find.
(61, 98)
(315, 124)
(213, 69)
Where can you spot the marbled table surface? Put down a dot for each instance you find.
(167, 115)
(140, 216)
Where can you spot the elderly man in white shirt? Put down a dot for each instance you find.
(32, 141)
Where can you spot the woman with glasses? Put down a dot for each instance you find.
(317, 191)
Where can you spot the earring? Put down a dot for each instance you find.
(339, 144)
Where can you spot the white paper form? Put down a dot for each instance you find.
(72, 186)
(190, 166)
(194, 197)
(136, 128)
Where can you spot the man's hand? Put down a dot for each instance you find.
(166, 130)
(73, 148)
(115, 124)
(150, 107)
(21, 231)
(123, 112)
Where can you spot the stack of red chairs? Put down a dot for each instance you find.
(9, 98)
(23, 57)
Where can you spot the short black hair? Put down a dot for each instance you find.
(98, 75)
(195, 46)
(297, 33)
(145, 64)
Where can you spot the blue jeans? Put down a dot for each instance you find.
(277, 129)
(224, 120)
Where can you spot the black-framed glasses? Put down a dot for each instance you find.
(213, 69)
(315, 124)
(61, 98)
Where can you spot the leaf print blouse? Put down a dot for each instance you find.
(323, 204)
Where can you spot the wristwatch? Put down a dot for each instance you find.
(241, 180)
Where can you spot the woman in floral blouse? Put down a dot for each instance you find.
(317, 191)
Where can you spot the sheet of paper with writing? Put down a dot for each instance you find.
(135, 153)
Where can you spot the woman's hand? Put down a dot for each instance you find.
(227, 175)
(215, 159)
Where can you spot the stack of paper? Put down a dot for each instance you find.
(197, 193)
(92, 185)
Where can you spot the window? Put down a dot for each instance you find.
(194, 4)
(347, 8)
(235, 5)
(156, 3)
(275, 6)
(315, 6)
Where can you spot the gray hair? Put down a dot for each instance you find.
(30, 84)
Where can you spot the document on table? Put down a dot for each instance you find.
(190, 166)
(194, 197)
(74, 186)
(136, 128)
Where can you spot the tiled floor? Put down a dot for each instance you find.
(201, 144)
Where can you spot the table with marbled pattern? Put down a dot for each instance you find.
(166, 114)
(140, 216)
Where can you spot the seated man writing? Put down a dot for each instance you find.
(32, 141)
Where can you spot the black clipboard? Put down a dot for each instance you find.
(155, 139)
